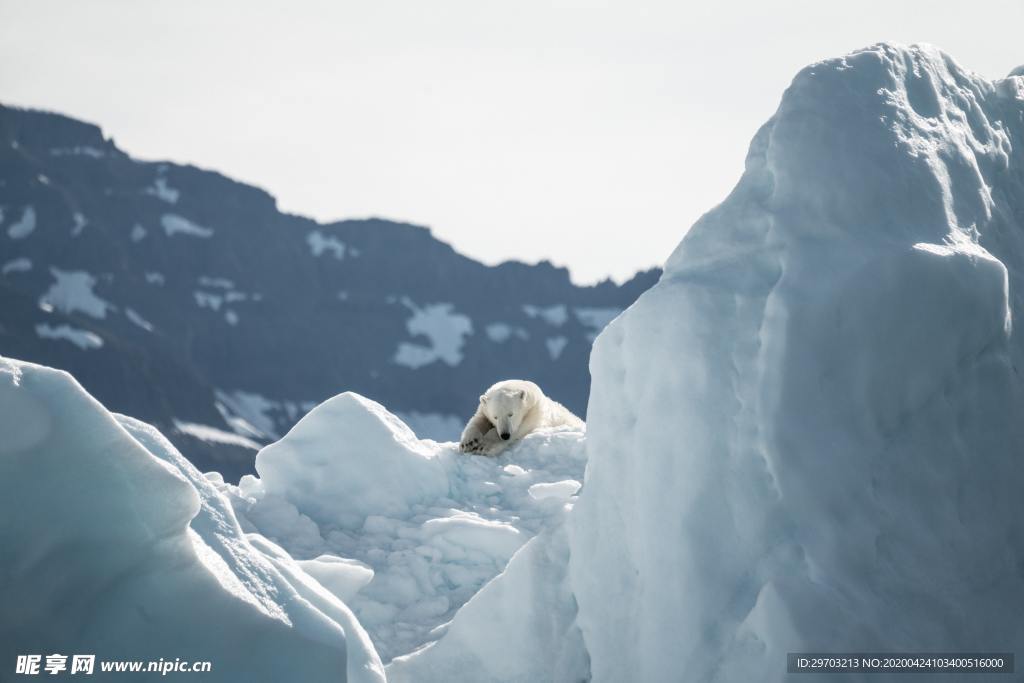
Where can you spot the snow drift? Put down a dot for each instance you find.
(808, 435)
(114, 545)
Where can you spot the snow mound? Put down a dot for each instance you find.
(807, 436)
(519, 627)
(411, 529)
(115, 545)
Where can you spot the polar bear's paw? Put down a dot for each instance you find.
(471, 445)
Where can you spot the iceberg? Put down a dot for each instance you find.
(808, 436)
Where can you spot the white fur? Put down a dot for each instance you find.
(514, 407)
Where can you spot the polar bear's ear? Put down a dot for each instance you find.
(522, 393)
(483, 398)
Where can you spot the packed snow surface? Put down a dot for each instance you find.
(808, 435)
(433, 525)
(115, 545)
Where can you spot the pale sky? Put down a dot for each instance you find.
(592, 134)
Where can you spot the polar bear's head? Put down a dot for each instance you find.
(506, 404)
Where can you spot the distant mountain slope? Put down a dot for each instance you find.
(188, 300)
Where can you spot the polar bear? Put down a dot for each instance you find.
(508, 411)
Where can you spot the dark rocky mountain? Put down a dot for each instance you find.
(187, 299)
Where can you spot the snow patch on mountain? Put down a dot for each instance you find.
(215, 282)
(17, 265)
(208, 300)
(80, 221)
(555, 346)
(24, 226)
(72, 291)
(215, 435)
(553, 315)
(161, 190)
(83, 339)
(320, 244)
(81, 151)
(138, 320)
(444, 329)
(502, 332)
(174, 224)
(253, 415)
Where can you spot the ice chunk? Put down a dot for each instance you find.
(343, 577)
(559, 490)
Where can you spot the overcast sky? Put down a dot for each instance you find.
(588, 133)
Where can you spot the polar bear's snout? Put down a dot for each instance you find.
(505, 436)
